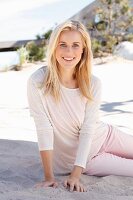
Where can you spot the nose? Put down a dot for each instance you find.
(69, 49)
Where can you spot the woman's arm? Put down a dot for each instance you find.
(76, 172)
(87, 130)
(39, 111)
(47, 162)
(44, 129)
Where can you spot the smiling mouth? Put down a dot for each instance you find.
(68, 59)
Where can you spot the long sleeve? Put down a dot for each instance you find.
(87, 130)
(38, 112)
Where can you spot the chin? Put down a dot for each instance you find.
(69, 65)
(66, 67)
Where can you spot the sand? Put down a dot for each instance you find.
(20, 164)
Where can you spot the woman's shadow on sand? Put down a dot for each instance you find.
(20, 162)
(111, 108)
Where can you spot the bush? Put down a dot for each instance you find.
(128, 37)
(111, 41)
(23, 55)
(96, 45)
(35, 53)
(102, 45)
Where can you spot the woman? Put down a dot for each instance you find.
(64, 100)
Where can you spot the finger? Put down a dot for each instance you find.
(38, 185)
(48, 184)
(65, 183)
(55, 185)
(71, 187)
(78, 188)
(81, 189)
(85, 190)
(45, 185)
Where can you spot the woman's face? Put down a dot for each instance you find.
(69, 49)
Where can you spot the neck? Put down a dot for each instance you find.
(67, 76)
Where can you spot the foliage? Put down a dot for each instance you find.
(128, 37)
(38, 37)
(112, 23)
(96, 45)
(35, 52)
(23, 55)
(46, 35)
(111, 41)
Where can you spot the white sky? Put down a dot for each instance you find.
(24, 19)
(13, 7)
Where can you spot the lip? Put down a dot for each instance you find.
(68, 59)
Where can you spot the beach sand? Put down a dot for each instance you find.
(20, 164)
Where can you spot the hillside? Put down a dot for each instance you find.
(87, 14)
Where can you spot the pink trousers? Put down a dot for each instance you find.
(115, 156)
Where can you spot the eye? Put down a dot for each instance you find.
(63, 45)
(75, 45)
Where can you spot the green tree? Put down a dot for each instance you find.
(46, 35)
(38, 37)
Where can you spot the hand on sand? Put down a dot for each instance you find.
(47, 183)
(74, 184)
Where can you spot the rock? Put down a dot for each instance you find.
(125, 50)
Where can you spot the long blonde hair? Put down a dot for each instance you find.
(83, 68)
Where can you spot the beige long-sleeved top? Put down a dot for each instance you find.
(71, 129)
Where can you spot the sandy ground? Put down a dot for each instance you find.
(20, 166)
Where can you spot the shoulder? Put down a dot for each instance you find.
(95, 82)
(96, 87)
(38, 76)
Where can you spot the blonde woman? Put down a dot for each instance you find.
(64, 99)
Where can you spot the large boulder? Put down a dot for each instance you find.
(125, 50)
